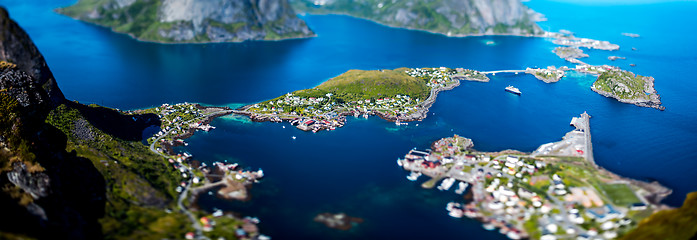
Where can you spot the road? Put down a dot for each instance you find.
(194, 222)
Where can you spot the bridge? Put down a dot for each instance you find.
(503, 71)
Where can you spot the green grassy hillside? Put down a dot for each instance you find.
(360, 84)
(674, 224)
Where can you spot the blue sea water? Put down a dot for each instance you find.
(353, 169)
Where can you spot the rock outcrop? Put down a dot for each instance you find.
(450, 17)
(194, 20)
(47, 191)
(16, 47)
(627, 87)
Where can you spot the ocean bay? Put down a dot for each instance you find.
(341, 170)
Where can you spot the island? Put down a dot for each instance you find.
(447, 17)
(628, 87)
(569, 53)
(400, 95)
(180, 21)
(555, 192)
(549, 75)
(405, 94)
(339, 221)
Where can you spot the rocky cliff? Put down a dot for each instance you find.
(17, 48)
(450, 17)
(70, 171)
(194, 20)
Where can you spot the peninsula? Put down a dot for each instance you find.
(400, 95)
(189, 21)
(448, 17)
(556, 192)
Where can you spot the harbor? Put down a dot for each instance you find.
(556, 192)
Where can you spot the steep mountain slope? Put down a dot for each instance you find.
(194, 20)
(450, 17)
(70, 171)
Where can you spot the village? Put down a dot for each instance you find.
(178, 122)
(556, 192)
(323, 112)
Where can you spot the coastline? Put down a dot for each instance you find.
(500, 206)
(652, 103)
(543, 35)
(112, 29)
(220, 111)
(420, 114)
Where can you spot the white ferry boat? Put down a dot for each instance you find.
(513, 90)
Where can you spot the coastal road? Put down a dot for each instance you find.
(180, 200)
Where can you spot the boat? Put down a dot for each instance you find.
(513, 90)
(413, 176)
(461, 187)
(454, 210)
(456, 213)
(293, 137)
(488, 226)
(446, 184)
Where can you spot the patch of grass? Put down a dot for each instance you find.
(359, 84)
(619, 194)
(623, 84)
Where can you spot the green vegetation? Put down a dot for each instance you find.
(141, 20)
(532, 227)
(619, 194)
(623, 84)
(138, 19)
(139, 183)
(390, 92)
(673, 224)
(359, 84)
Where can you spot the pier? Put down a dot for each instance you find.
(584, 123)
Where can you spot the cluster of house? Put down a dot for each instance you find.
(585, 68)
(399, 104)
(246, 230)
(437, 77)
(174, 116)
(503, 204)
(550, 72)
(317, 124)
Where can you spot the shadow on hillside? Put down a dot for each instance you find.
(77, 196)
(112, 122)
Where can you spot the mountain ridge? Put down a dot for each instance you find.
(448, 17)
(190, 21)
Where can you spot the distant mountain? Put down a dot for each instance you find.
(175, 21)
(449, 17)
